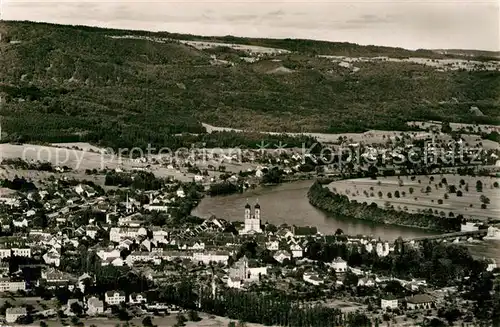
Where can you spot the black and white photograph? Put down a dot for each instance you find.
(250, 163)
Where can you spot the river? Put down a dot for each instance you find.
(287, 203)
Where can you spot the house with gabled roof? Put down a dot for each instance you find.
(419, 301)
(339, 265)
(11, 314)
(281, 256)
(312, 278)
(137, 298)
(94, 306)
(114, 297)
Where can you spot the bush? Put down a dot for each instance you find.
(459, 193)
(479, 186)
(440, 201)
(147, 322)
(193, 316)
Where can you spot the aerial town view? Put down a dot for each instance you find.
(253, 164)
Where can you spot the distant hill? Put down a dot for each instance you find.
(75, 83)
(470, 53)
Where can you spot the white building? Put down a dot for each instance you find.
(5, 253)
(367, 282)
(211, 256)
(339, 265)
(280, 256)
(11, 314)
(469, 227)
(388, 303)
(297, 251)
(116, 234)
(382, 249)
(21, 252)
(252, 223)
(312, 279)
(137, 298)
(241, 273)
(273, 245)
(493, 233)
(160, 235)
(8, 285)
(114, 297)
(52, 258)
(491, 265)
(94, 306)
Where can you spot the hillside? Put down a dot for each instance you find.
(64, 83)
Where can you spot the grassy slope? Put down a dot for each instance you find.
(78, 84)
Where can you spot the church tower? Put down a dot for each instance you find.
(247, 211)
(257, 211)
(252, 222)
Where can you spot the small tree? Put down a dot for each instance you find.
(389, 195)
(440, 201)
(479, 186)
(380, 194)
(459, 193)
(181, 320)
(147, 322)
(193, 315)
(495, 184)
(411, 190)
(484, 199)
(396, 194)
(446, 196)
(428, 189)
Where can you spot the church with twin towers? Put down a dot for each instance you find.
(252, 221)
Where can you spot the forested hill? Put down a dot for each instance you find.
(64, 83)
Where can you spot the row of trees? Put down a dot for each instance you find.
(267, 309)
(340, 204)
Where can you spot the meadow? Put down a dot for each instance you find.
(446, 195)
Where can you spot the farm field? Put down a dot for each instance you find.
(86, 156)
(427, 192)
(377, 136)
(207, 321)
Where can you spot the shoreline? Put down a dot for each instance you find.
(325, 200)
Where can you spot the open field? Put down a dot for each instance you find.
(369, 137)
(373, 137)
(207, 321)
(478, 128)
(423, 193)
(64, 155)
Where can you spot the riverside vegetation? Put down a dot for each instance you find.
(74, 83)
(322, 198)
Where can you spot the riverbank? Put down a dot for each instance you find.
(321, 198)
(288, 204)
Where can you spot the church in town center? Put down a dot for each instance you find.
(252, 222)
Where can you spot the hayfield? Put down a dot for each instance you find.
(427, 192)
